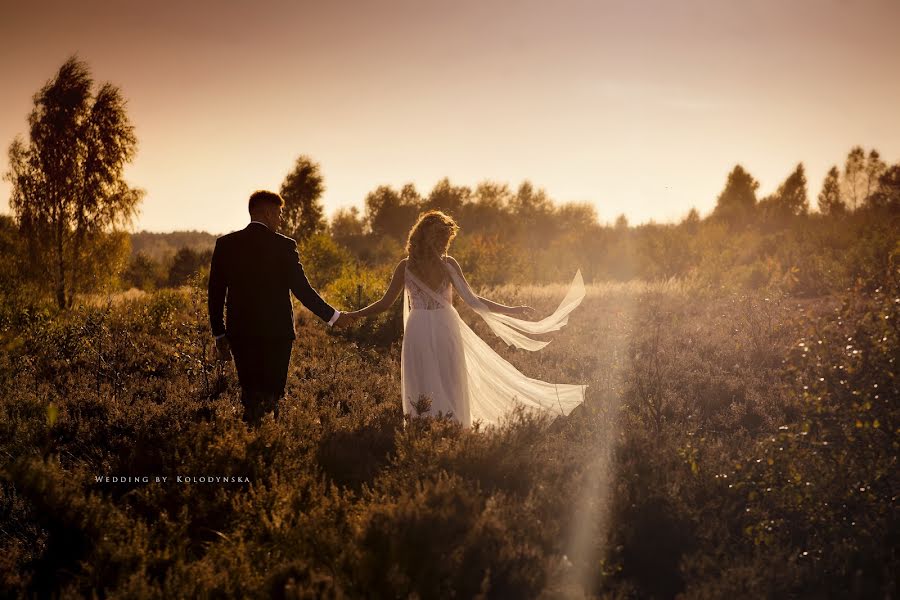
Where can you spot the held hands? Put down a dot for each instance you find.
(346, 319)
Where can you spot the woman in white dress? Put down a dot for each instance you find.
(443, 359)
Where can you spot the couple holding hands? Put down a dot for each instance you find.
(255, 270)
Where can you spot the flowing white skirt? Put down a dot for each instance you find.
(444, 360)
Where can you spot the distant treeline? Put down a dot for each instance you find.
(161, 247)
(72, 208)
(523, 236)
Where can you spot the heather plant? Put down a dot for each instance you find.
(732, 441)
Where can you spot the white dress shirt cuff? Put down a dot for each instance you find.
(219, 337)
(337, 313)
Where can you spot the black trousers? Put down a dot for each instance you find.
(262, 365)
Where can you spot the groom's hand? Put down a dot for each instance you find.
(223, 349)
(345, 320)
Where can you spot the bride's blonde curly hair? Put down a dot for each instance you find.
(427, 244)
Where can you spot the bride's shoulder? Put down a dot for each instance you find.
(452, 262)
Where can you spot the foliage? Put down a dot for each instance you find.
(391, 213)
(68, 191)
(788, 201)
(830, 200)
(187, 263)
(732, 443)
(324, 259)
(887, 196)
(302, 189)
(737, 201)
(161, 247)
(144, 273)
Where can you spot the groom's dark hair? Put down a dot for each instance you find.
(260, 197)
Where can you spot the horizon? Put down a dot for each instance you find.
(638, 109)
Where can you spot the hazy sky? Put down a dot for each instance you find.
(641, 107)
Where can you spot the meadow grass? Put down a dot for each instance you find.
(731, 443)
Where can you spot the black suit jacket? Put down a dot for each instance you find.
(253, 272)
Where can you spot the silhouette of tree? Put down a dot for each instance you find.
(789, 200)
(302, 191)
(346, 223)
(855, 178)
(186, 263)
(621, 222)
(691, 222)
(162, 246)
(448, 198)
(530, 204)
(875, 167)
(348, 229)
(888, 194)
(576, 217)
(391, 213)
(831, 201)
(68, 188)
(144, 273)
(488, 210)
(411, 198)
(738, 200)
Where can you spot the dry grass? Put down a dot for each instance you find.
(714, 456)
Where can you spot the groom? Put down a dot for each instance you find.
(254, 271)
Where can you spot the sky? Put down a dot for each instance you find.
(640, 107)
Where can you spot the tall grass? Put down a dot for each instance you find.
(722, 450)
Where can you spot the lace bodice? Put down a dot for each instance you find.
(420, 299)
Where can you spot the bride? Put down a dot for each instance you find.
(443, 359)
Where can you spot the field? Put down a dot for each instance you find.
(732, 444)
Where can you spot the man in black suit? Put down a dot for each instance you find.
(253, 272)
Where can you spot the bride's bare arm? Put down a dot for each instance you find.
(394, 289)
(496, 307)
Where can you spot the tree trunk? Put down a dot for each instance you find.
(60, 264)
(76, 254)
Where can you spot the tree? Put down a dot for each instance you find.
(391, 213)
(576, 217)
(861, 175)
(692, 221)
(144, 273)
(855, 177)
(302, 190)
(448, 198)
(737, 201)
(831, 202)
(186, 263)
(68, 191)
(488, 210)
(346, 224)
(530, 204)
(494, 195)
(325, 257)
(789, 200)
(888, 194)
(875, 167)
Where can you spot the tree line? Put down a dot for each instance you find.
(72, 208)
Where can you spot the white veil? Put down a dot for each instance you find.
(510, 329)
